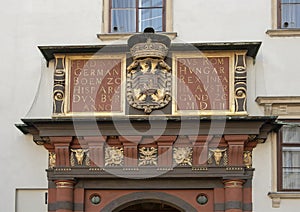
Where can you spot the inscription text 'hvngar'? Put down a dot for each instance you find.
(203, 83)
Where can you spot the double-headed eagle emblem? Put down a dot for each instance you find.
(149, 76)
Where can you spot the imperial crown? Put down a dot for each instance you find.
(149, 44)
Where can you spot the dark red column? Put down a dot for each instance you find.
(64, 195)
(233, 195)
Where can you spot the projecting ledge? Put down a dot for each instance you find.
(277, 196)
(250, 47)
(283, 32)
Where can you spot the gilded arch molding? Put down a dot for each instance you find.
(137, 197)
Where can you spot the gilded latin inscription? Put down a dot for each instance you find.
(95, 85)
(203, 83)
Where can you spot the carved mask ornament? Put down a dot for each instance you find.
(148, 156)
(149, 76)
(183, 155)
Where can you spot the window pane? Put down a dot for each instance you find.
(291, 178)
(290, 1)
(123, 3)
(291, 134)
(290, 15)
(291, 156)
(123, 20)
(150, 18)
(151, 3)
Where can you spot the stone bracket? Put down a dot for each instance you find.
(278, 196)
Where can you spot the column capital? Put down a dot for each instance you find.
(130, 139)
(230, 138)
(95, 139)
(233, 183)
(61, 139)
(64, 183)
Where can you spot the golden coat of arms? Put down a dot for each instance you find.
(149, 78)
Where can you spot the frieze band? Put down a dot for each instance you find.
(149, 156)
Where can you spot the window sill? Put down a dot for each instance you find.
(283, 32)
(117, 36)
(277, 196)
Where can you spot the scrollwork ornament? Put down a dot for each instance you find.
(58, 95)
(59, 84)
(240, 82)
(240, 93)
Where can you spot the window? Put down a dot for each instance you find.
(289, 158)
(136, 15)
(141, 14)
(289, 14)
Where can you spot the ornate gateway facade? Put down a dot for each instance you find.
(150, 126)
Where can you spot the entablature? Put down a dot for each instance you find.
(150, 74)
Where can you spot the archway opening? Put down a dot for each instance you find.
(160, 201)
(149, 206)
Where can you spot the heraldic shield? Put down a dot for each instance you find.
(149, 78)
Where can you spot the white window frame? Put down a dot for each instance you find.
(106, 35)
(276, 31)
(286, 108)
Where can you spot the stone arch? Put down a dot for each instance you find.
(138, 197)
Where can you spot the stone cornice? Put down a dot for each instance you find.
(282, 106)
(251, 47)
(283, 32)
(233, 125)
